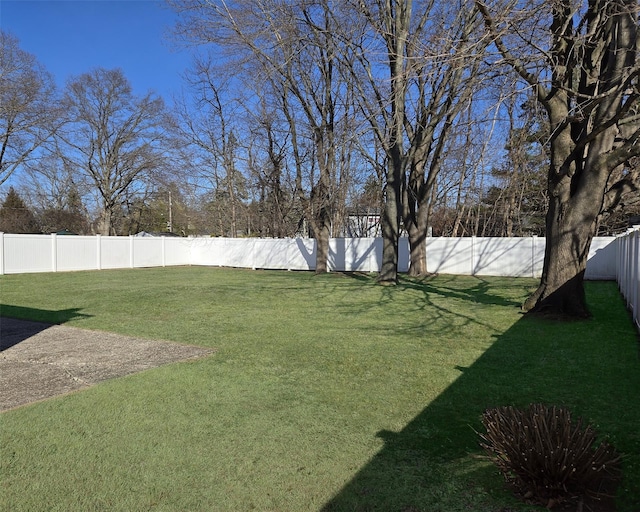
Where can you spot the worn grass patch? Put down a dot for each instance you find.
(326, 392)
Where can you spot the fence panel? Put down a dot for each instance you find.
(147, 251)
(115, 252)
(603, 257)
(27, 253)
(302, 254)
(506, 257)
(278, 254)
(271, 253)
(450, 255)
(207, 252)
(404, 255)
(354, 255)
(76, 253)
(239, 252)
(177, 251)
(268, 253)
(223, 252)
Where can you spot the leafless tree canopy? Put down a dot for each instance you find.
(111, 137)
(28, 114)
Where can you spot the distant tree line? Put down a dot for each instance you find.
(232, 158)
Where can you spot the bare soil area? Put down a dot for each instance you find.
(40, 361)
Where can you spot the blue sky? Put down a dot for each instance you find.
(71, 37)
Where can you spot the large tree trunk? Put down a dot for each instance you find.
(570, 228)
(105, 222)
(390, 222)
(417, 231)
(577, 187)
(322, 236)
(396, 14)
(389, 267)
(561, 289)
(417, 253)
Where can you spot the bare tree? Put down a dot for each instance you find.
(52, 189)
(383, 102)
(276, 201)
(446, 75)
(519, 193)
(209, 129)
(28, 113)
(112, 138)
(47, 182)
(290, 50)
(426, 51)
(580, 59)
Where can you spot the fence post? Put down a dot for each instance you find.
(131, 251)
(253, 254)
(622, 260)
(533, 256)
(473, 255)
(635, 283)
(54, 252)
(1, 253)
(99, 252)
(164, 251)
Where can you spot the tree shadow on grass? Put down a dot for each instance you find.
(18, 323)
(481, 292)
(432, 464)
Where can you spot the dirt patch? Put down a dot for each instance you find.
(39, 361)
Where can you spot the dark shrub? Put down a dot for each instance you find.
(545, 456)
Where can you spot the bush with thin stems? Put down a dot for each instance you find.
(548, 458)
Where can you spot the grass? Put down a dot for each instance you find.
(325, 392)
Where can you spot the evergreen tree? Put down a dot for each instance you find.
(15, 216)
(70, 215)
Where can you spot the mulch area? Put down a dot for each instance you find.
(39, 361)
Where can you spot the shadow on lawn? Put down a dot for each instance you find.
(591, 367)
(480, 292)
(18, 323)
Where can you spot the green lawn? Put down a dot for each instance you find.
(325, 392)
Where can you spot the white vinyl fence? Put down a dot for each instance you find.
(628, 270)
(610, 258)
(52, 253)
(516, 257)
